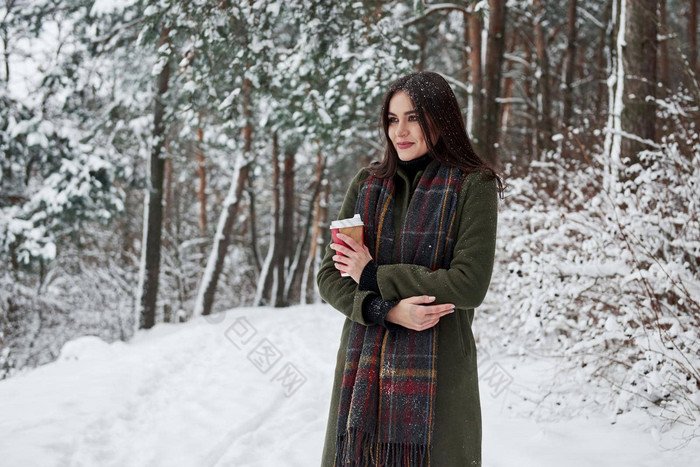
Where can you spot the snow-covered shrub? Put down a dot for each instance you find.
(76, 298)
(608, 282)
(5, 365)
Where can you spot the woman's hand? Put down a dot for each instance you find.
(411, 312)
(355, 259)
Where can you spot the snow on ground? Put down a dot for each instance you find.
(251, 387)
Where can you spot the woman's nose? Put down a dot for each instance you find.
(401, 129)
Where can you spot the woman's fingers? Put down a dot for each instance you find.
(427, 325)
(420, 316)
(341, 248)
(341, 259)
(418, 299)
(430, 315)
(439, 309)
(351, 247)
(349, 241)
(429, 309)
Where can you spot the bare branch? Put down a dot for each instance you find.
(438, 7)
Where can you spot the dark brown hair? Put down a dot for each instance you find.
(437, 108)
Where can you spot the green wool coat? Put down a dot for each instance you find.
(457, 428)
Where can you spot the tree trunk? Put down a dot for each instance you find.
(268, 283)
(222, 238)
(294, 273)
(477, 96)
(423, 34)
(289, 200)
(544, 110)
(492, 82)
(229, 214)
(662, 56)
(126, 230)
(253, 219)
(464, 72)
(508, 85)
(153, 217)
(616, 87)
(310, 265)
(202, 175)
(5, 37)
(286, 235)
(6, 59)
(530, 131)
(173, 230)
(606, 44)
(570, 63)
(638, 114)
(693, 37)
(321, 225)
(167, 191)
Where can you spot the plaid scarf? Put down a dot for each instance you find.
(387, 397)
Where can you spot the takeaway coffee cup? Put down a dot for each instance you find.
(352, 227)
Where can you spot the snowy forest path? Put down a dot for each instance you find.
(171, 384)
(209, 393)
(206, 396)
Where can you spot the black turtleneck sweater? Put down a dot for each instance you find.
(413, 166)
(375, 309)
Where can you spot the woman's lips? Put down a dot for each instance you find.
(404, 145)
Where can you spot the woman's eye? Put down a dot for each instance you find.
(393, 119)
(413, 118)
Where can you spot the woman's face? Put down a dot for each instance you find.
(404, 129)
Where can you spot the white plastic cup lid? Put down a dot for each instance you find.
(349, 222)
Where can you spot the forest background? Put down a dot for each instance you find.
(164, 160)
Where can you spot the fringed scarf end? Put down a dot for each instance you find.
(357, 448)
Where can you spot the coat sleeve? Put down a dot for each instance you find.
(466, 281)
(343, 293)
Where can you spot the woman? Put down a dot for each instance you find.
(406, 388)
